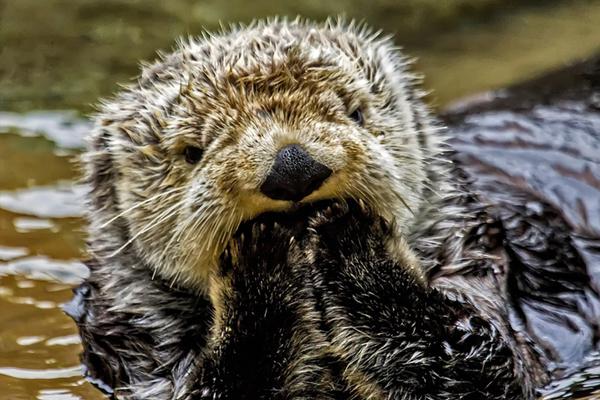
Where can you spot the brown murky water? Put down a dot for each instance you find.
(41, 237)
(41, 229)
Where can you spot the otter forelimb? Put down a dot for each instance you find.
(398, 338)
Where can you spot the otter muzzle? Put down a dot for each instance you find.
(294, 175)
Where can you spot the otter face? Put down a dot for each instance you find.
(259, 119)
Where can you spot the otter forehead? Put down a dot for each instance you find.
(264, 67)
(265, 50)
(260, 47)
(253, 120)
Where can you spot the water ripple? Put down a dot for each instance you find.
(9, 253)
(60, 201)
(64, 128)
(55, 373)
(44, 268)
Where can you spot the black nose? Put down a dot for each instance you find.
(294, 175)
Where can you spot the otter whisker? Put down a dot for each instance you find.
(208, 227)
(157, 220)
(191, 226)
(174, 239)
(192, 220)
(180, 230)
(148, 200)
(366, 193)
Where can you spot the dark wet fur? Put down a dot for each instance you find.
(532, 154)
(270, 344)
(323, 315)
(290, 320)
(409, 340)
(154, 338)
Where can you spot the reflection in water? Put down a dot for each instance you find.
(63, 340)
(8, 253)
(29, 340)
(59, 201)
(24, 225)
(56, 394)
(584, 383)
(39, 345)
(44, 268)
(23, 373)
(63, 128)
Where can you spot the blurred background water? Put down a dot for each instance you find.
(57, 57)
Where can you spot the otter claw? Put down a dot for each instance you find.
(340, 207)
(362, 205)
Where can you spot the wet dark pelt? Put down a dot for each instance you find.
(310, 306)
(305, 305)
(138, 331)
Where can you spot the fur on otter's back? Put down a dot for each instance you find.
(175, 167)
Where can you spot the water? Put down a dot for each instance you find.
(68, 56)
(41, 242)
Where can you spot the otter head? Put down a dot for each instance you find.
(261, 118)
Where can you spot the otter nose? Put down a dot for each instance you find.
(294, 175)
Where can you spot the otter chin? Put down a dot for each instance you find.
(252, 120)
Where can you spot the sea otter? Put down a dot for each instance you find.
(276, 118)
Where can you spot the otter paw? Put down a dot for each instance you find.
(347, 226)
(264, 241)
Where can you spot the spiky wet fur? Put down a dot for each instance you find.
(240, 96)
(312, 307)
(157, 222)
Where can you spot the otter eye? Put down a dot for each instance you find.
(357, 116)
(192, 154)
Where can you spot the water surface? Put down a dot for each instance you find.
(41, 242)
